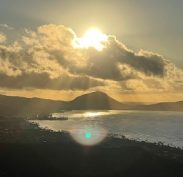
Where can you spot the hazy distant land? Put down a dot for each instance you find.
(25, 107)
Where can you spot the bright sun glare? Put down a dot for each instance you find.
(92, 38)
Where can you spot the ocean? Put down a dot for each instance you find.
(91, 127)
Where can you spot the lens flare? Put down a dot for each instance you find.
(89, 135)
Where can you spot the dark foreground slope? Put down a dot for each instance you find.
(26, 151)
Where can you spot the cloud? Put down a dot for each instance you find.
(117, 62)
(42, 81)
(6, 26)
(2, 38)
(46, 59)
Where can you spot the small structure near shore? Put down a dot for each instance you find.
(52, 116)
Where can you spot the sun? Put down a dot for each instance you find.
(92, 38)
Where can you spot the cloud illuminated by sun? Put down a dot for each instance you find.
(92, 38)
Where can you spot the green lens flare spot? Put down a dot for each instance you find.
(88, 135)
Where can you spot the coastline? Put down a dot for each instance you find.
(26, 150)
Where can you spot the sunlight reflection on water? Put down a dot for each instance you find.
(165, 127)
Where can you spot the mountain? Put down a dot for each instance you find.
(19, 106)
(95, 100)
(27, 107)
(165, 106)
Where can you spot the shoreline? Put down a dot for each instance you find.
(26, 150)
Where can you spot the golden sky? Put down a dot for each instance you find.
(63, 49)
(53, 62)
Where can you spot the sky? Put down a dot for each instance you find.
(142, 61)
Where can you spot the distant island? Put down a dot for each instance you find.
(20, 106)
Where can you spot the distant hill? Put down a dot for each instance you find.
(96, 100)
(19, 106)
(166, 106)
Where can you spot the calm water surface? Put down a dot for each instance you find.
(165, 127)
